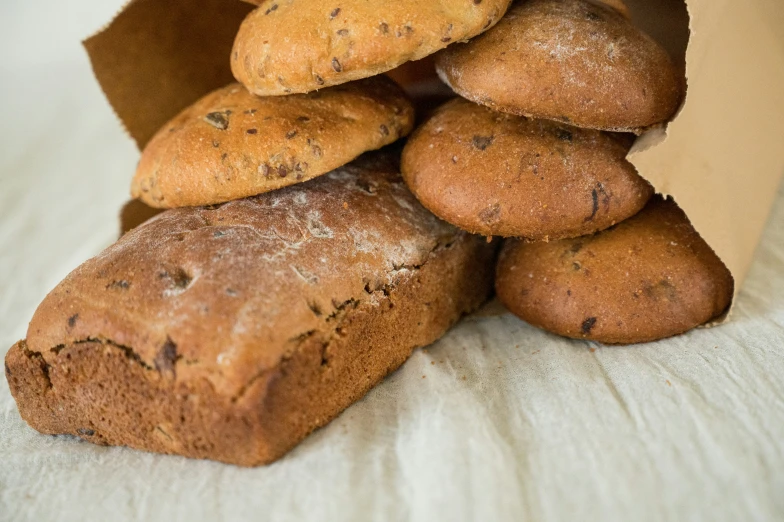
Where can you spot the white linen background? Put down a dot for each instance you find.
(497, 421)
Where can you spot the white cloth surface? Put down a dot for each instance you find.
(497, 421)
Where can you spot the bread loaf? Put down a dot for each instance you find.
(231, 332)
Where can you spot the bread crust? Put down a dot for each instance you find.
(295, 46)
(503, 175)
(571, 61)
(231, 333)
(649, 277)
(232, 144)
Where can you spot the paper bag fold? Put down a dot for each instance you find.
(159, 56)
(723, 156)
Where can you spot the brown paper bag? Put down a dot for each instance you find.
(721, 158)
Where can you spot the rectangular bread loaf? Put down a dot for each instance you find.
(231, 332)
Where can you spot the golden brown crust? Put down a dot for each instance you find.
(231, 333)
(567, 60)
(502, 175)
(231, 144)
(648, 278)
(290, 46)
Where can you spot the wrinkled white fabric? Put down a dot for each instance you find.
(497, 421)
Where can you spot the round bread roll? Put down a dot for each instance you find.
(232, 144)
(502, 175)
(648, 278)
(289, 46)
(567, 60)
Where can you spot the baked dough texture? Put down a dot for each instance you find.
(571, 61)
(649, 277)
(296, 46)
(232, 144)
(498, 174)
(231, 332)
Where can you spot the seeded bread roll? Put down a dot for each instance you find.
(231, 332)
(296, 46)
(502, 175)
(649, 277)
(571, 61)
(232, 144)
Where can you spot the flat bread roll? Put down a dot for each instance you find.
(297, 46)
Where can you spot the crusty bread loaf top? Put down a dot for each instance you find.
(226, 292)
(291, 46)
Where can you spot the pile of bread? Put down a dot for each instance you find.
(298, 264)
